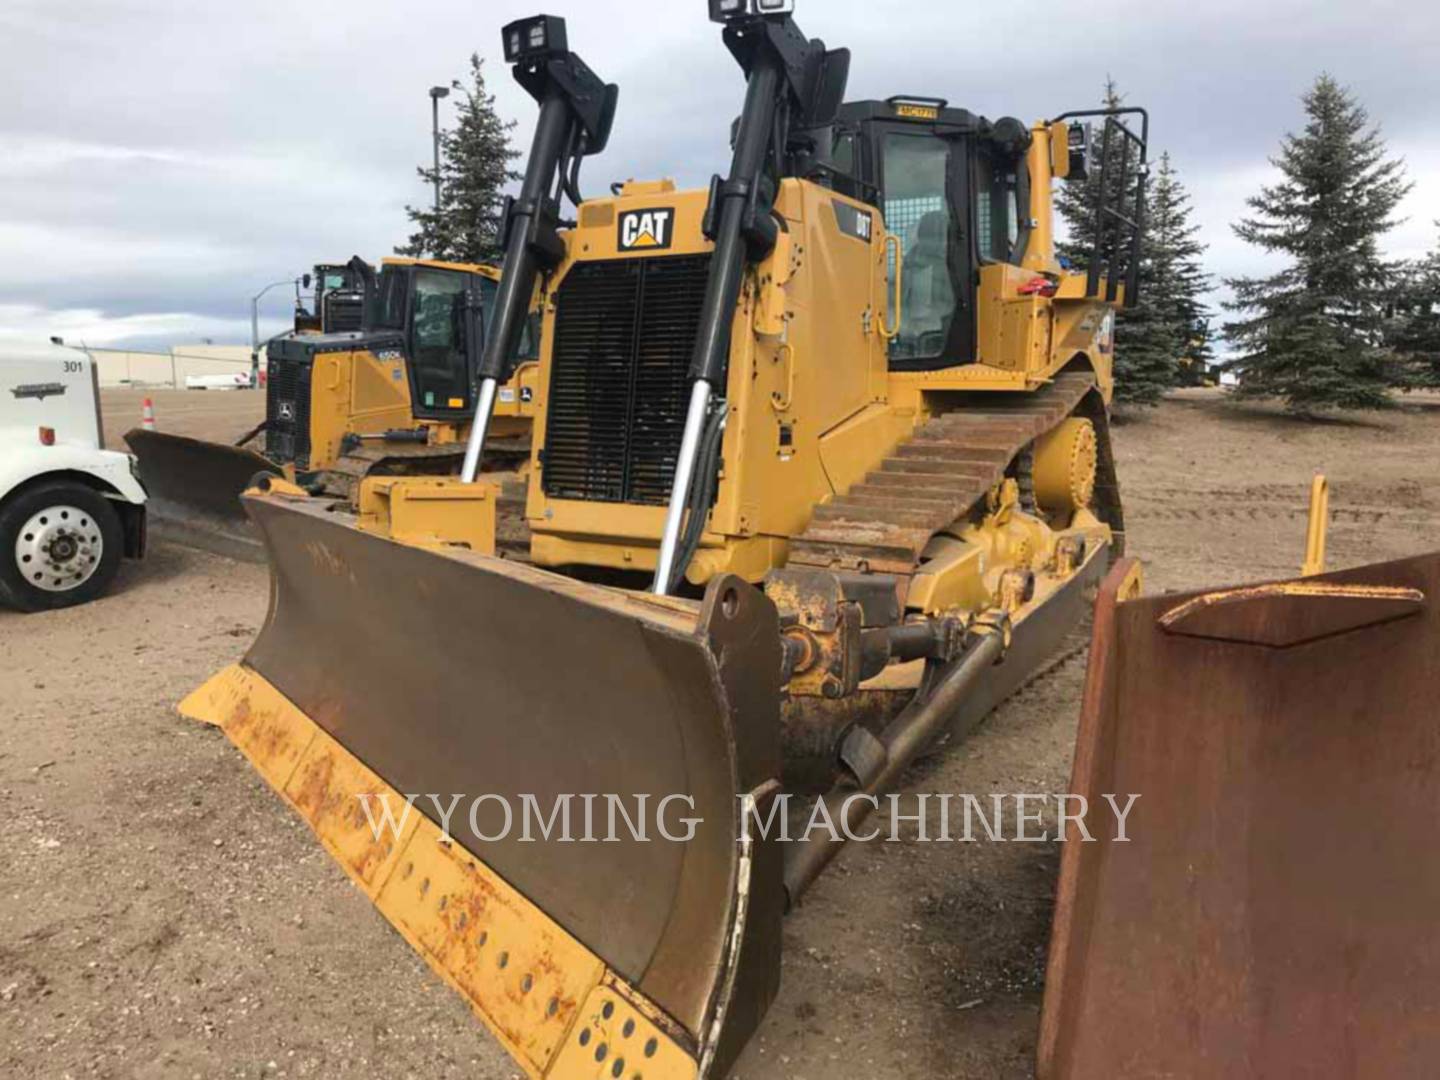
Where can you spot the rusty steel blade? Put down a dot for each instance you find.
(195, 487)
(1273, 910)
(453, 673)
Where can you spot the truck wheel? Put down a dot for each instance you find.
(60, 544)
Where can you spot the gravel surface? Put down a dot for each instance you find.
(162, 914)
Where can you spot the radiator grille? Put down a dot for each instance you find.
(287, 406)
(343, 312)
(624, 333)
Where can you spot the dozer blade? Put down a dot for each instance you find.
(1272, 912)
(195, 488)
(387, 671)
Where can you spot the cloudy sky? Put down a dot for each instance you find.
(163, 160)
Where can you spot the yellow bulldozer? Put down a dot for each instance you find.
(380, 382)
(820, 472)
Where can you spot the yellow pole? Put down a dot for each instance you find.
(1319, 523)
(1049, 148)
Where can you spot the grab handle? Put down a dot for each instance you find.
(892, 242)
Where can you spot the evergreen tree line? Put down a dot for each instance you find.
(1163, 339)
(1339, 326)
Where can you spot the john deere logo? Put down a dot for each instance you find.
(646, 229)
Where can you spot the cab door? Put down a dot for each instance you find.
(445, 334)
(924, 180)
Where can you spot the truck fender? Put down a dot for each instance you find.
(110, 469)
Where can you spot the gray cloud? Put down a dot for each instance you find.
(165, 160)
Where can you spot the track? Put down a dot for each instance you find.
(883, 525)
(377, 458)
(932, 479)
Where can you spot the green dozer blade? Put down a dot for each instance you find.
(386, 671)
(195, 488)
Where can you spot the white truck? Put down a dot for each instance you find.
(69, 509)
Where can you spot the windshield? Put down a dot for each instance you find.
(527, 345)
(438, 351)
(917, 210)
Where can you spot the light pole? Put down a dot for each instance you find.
(255, 329)
(436, 93)
(55, 339)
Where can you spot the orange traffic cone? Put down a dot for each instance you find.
(147, 415)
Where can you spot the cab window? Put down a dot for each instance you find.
(527, 345)
(438, 349)
(390, 296)
(842, 153)
(997, 208)
(917, 210)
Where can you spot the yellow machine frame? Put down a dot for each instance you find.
(799, 431)
(812, 408)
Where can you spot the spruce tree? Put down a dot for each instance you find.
(1312, 333)
(1075, 200)
(475, 159)
(1148, 343)
(1173, 278)
(1415, 327)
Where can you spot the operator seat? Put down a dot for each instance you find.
(928, 296)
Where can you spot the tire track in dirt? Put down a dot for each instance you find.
(1149, 507)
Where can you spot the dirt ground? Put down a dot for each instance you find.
(163, 915)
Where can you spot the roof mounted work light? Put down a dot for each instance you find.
(535, 38)
(723, 11)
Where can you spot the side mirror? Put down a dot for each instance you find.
(1079, 142)
(305, 281)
